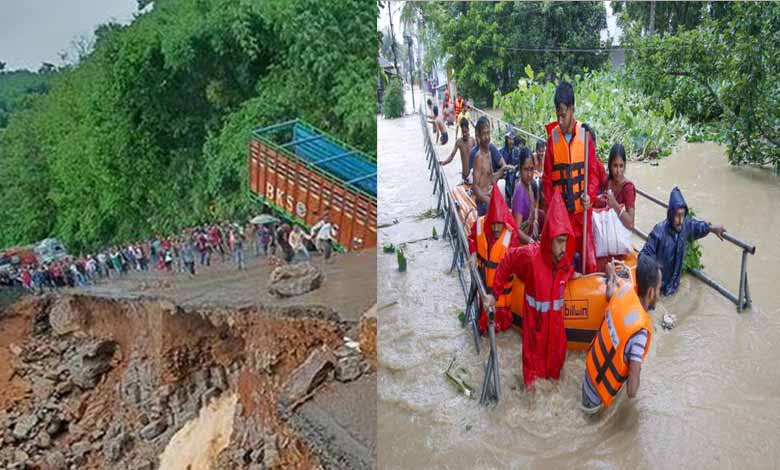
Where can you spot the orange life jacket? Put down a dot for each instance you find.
(568, 170)
(487, 264)
(458, 106)
(605, 362)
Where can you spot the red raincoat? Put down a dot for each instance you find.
(544, 335)
(596, 175)
(497, 211)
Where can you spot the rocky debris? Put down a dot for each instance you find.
(349, 368)
(294, 279)
(105, 394)
(115, 443)
(367, 334)
(307, 377)
(56, 460)
(89, 362)
(64, 318)
(271, 452)
(24, 426)
(153, 429)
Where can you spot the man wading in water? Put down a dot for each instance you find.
(463, 145)
(439, 127)
(621, 345)
(544, 268)
(489, 167)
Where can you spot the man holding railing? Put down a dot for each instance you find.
(666, 242)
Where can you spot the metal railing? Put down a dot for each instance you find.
(474, 289)
(741, 299)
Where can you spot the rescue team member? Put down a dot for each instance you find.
(622, 342)
(564, 169)
(458, 104)
(545, 268)
(491, 237)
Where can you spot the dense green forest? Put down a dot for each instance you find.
(149, 132)
(16, 86)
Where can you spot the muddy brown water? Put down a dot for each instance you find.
(710, 388)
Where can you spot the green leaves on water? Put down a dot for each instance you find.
(401, 258)
(605, 101)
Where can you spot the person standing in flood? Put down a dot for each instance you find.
(544, 268)
(666, 243)
(463, 145)
(439, 128)
(616, 355)
(564, 169)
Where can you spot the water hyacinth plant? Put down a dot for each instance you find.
(608, 104)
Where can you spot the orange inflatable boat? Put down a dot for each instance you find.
(585, 299)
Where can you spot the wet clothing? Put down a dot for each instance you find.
(544, 335)
(595, 169)
(624, 336)
(634, 351)
(489, 251)
(668, 246)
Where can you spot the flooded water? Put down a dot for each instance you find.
(710, 389)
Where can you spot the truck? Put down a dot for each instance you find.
(301, 172)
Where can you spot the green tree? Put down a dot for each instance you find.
(724, 69)
(489, 44)
(151, 128)
(656, 17)
(393, 105)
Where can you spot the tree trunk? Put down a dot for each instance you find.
(392, 36)
(651, 26)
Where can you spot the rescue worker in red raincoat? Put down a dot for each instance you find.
(491, 237)
(564, 169)
(545, 268)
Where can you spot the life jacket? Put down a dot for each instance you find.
(568, 169)
(488, 263)
(458, 106)
(605, 362)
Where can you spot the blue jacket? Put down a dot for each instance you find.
(668, 247)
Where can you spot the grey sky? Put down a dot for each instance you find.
(35, 31)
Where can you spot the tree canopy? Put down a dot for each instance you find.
(723, 71)
(489, 44)
(150, 131)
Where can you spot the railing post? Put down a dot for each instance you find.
(741, 294)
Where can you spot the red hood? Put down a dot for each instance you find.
(556, 224)
(549, 128)
(498, 211)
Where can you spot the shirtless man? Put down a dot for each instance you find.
(487, 159)
(464, 144)
(439, 128)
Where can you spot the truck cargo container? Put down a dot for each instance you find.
(301, 171)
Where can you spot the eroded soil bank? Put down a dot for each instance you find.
(94, 382)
